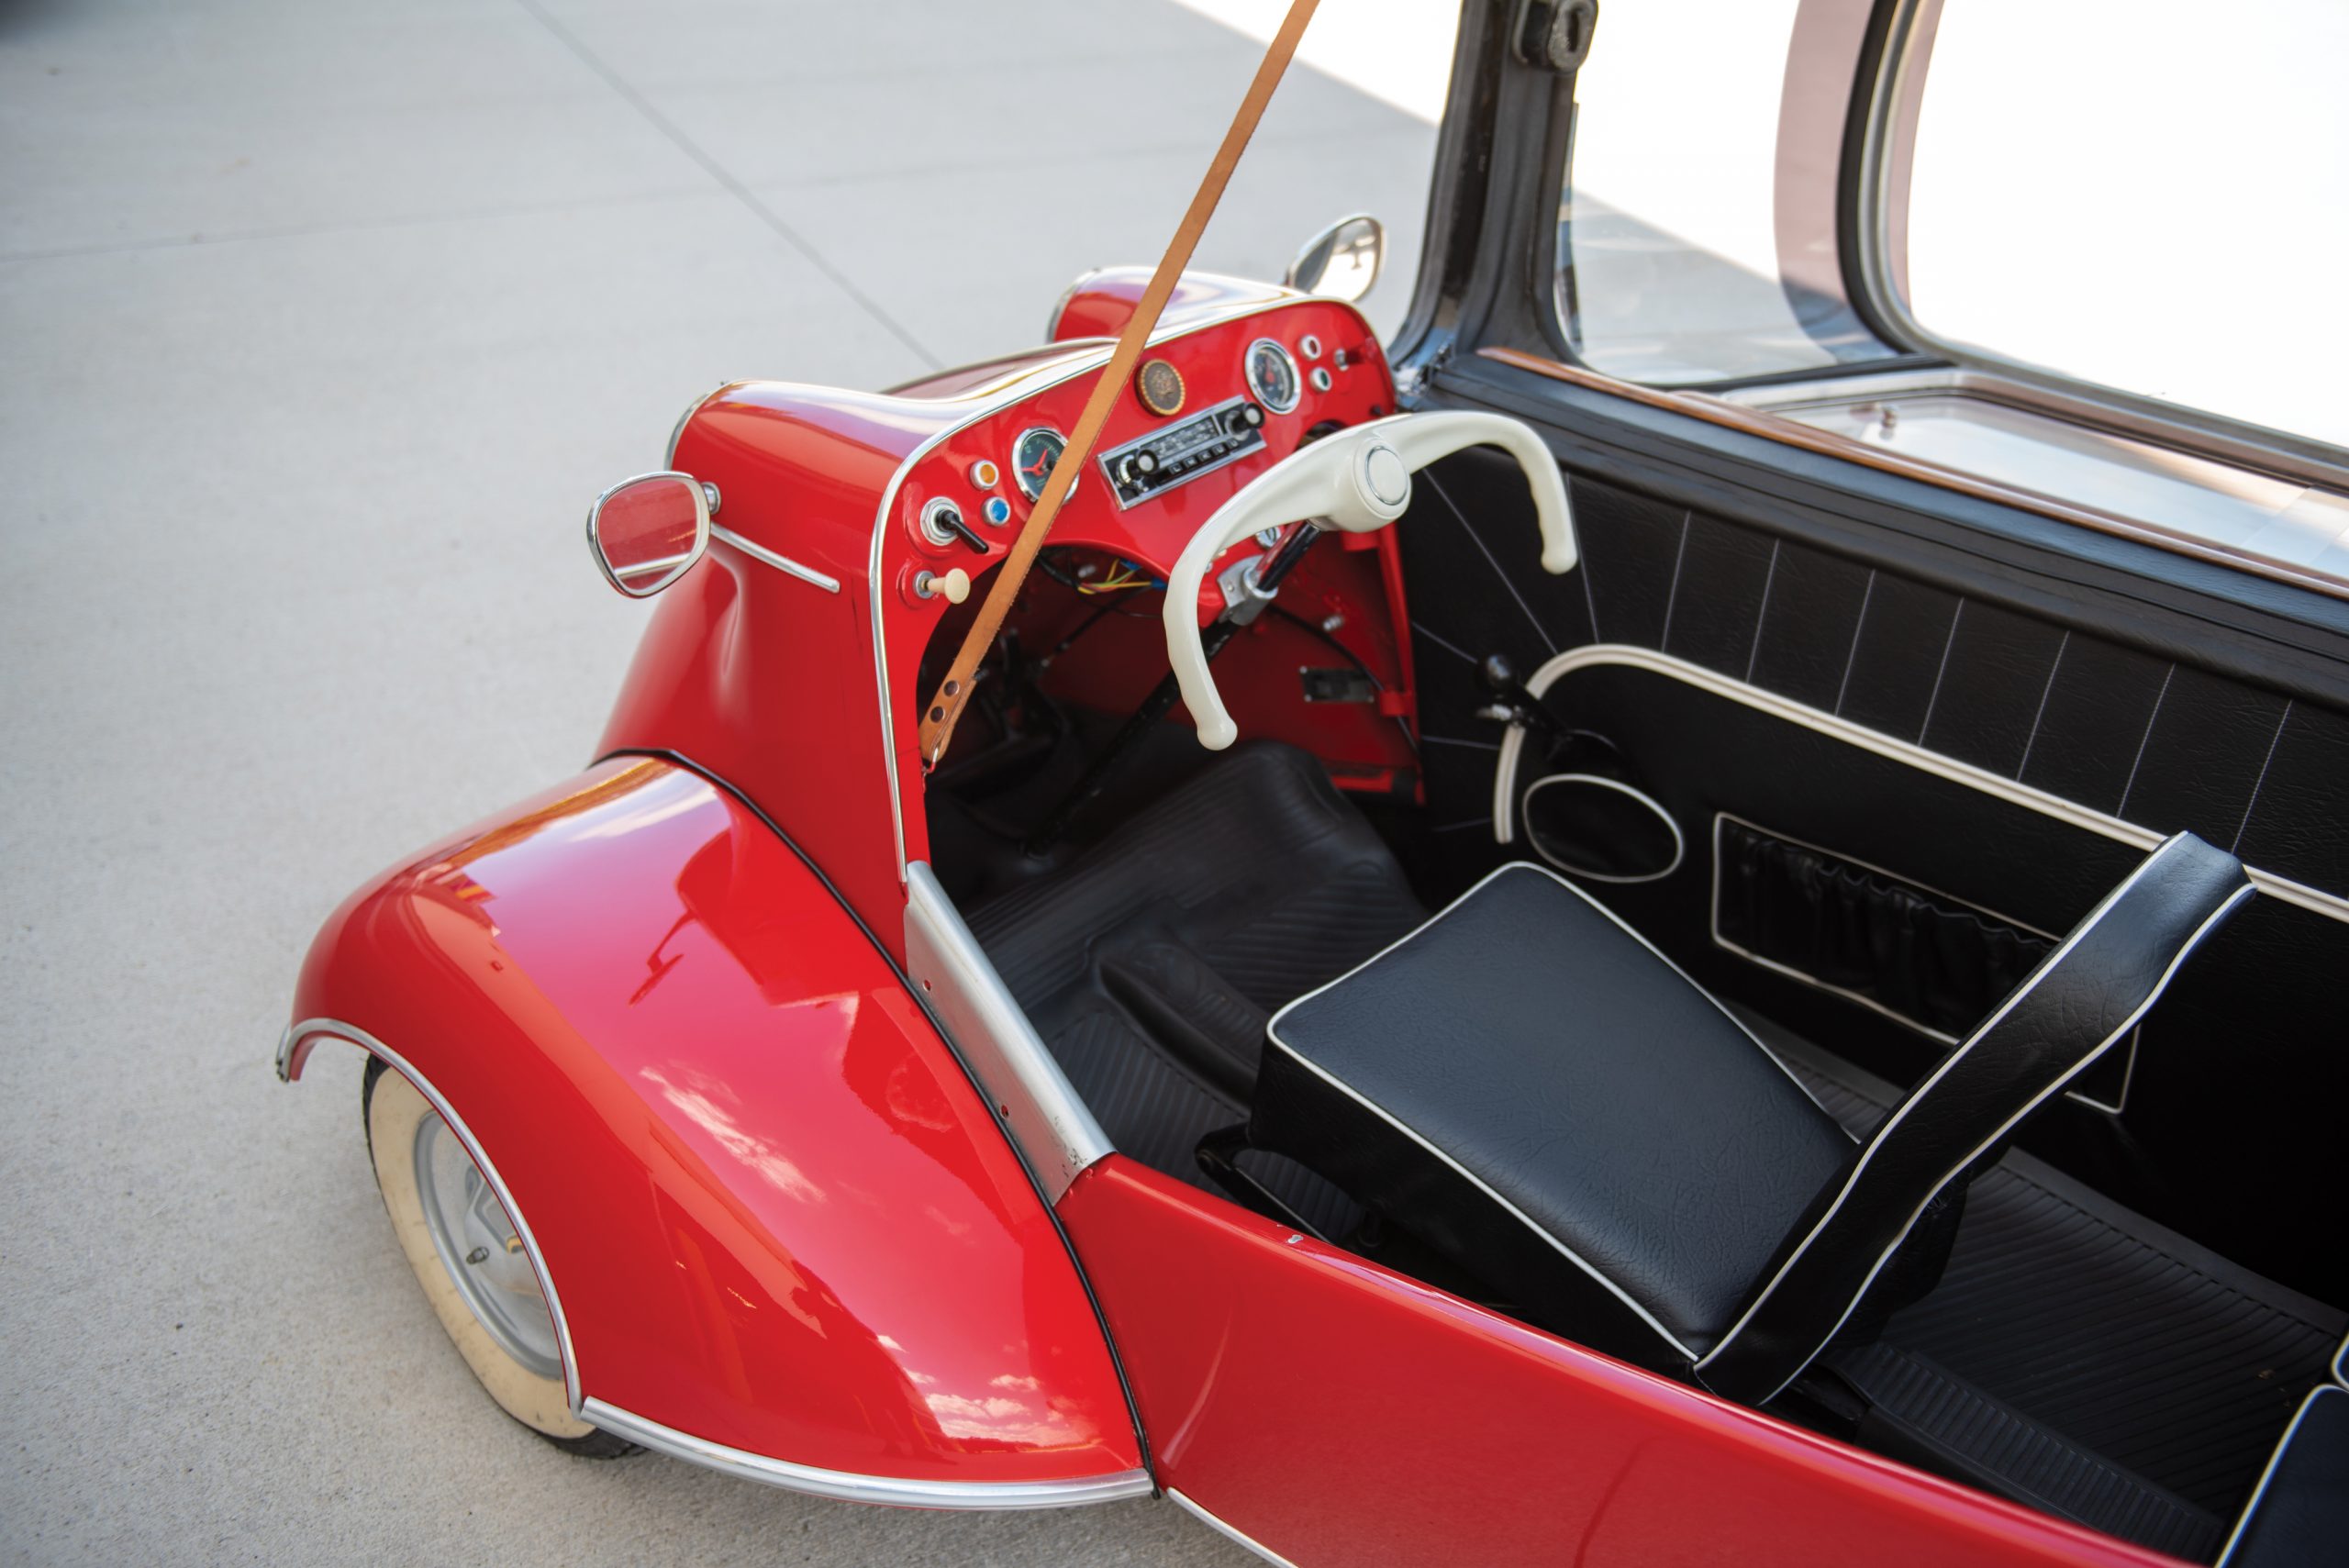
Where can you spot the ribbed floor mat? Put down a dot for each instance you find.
(2105, 1368)
(1150, 963)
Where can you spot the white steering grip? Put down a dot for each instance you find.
(1359, 480)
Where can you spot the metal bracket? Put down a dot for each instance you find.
(1244, 599)
(1554, 35)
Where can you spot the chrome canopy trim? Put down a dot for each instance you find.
(1056, 1135)
(848, 1487)
(293, 1047)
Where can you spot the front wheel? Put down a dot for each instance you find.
(472, 1263)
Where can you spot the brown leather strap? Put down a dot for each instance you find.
(943, 708)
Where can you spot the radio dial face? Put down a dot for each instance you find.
(1271, 376)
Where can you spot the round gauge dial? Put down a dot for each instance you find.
(1271, 376)
(1160, 386)
(1032, 456)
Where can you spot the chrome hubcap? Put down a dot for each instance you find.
(482, 1251)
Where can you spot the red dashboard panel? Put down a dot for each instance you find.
(1342, 378)
(772, 680)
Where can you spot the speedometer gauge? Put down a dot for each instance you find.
(1271, 376)
(1032, 456)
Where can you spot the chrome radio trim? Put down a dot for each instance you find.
(1215, 412)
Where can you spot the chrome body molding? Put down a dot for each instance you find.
(293, 1051)
(782, 563)
(848, 1487)
(2332, 907)
(1225, 1530)
(1054, 1133)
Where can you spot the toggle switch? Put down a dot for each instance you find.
(942, 524)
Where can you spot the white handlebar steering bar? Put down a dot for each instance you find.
(1359, 480)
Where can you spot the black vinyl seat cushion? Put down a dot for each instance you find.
(1629, 1197)
(1536, 1093)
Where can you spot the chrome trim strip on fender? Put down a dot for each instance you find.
(1225, 1530)
(848, 1487)
(293, 1051)
(2332, 907)
(780, 563)
(1057, 1135)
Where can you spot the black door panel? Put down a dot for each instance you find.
(2227, 1129)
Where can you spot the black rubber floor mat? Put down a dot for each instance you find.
(2143, 1354)
(1150, 963)
(1921, 1409)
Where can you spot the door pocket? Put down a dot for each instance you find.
(1921, 957)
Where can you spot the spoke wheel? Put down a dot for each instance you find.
(469, 1256)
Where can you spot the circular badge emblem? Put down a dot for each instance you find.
(1160, 386)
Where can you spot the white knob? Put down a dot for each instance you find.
(954, 585)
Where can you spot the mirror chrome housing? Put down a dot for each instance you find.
(648, 531)
(1342, 260)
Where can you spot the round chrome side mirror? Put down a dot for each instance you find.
(1342, 260)
(646, 532)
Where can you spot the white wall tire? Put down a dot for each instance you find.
(447, 1220)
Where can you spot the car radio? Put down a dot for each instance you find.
(1183, 452)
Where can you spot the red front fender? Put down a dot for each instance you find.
(784, 1233)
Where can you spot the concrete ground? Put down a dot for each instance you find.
(319, 324)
